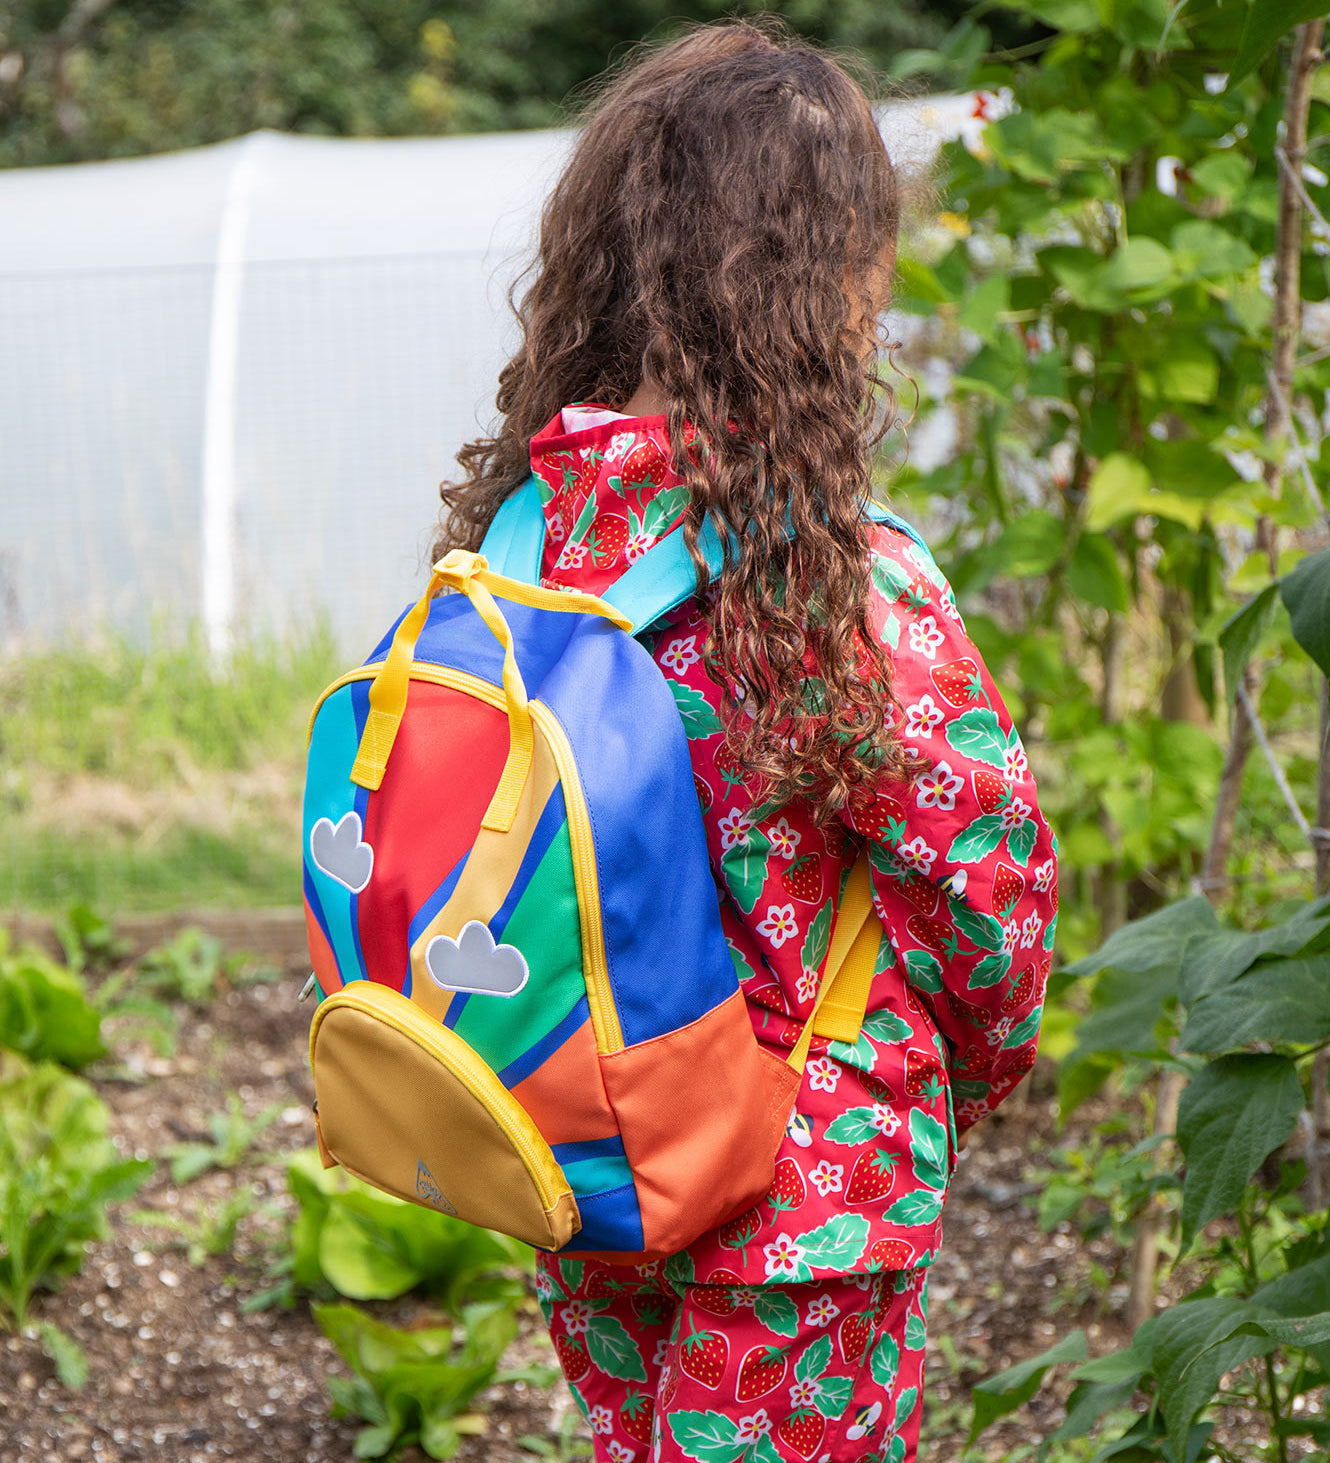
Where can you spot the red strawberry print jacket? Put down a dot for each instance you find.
(964, 878)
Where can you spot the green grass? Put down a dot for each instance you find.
(146, 779)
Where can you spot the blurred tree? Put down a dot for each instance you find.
(105, 78)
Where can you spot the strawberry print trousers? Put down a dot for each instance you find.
(829, 1371)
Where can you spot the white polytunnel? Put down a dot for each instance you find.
(232, 378)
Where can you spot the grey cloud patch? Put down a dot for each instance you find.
(475, 964)
(341, 853)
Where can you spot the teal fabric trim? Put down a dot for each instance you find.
(597, 1175)
(515, 540)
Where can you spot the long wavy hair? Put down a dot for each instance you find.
(724, 231)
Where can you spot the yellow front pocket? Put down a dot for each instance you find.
(404, 1103)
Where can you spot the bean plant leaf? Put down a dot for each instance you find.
(1232, 1114)
(1267, 22)
(1278, 1001)
(1306, 594)
(1241, 634)
(1158, 940)
(997, 1396)
(699, 720)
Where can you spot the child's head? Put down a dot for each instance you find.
(724, 232)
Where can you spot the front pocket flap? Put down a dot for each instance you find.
(404, 1103)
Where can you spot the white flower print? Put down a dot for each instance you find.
(679, 654)
(971, 1111)
(1011, 936)
(949, 607)
(779, 924)
(802, 1394)
(661, 1352)
(925, 637)
(784, 839)
(735, 827)
(826, 1177)
(556, 531)
(916, 855)
(823, 1074)
(885, 1120)
(571, 557)
(1030, 931)
(1015, 813)
(601, 1420)
(544, 1286)
(619, 1453)
(999, 1031)
(753, 1428)
(574, 1316)
(783, 1256)
(806, 988)
(937, 788)
(1043, 875)
(637, 545)
(822, 1311)
(621, 444)
(1015, 764)
(923, 717)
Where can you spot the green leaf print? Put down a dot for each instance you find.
(923, 971)
(584, 521)
(972, 845)
(1021, 841)
(916, 1331)
(980, 929)
(855, 1125)
(613, 1350)
(860, 1055)
(895, 1450)
(571, 1270)
(886, 956)
(814, 951)
(919, 1207)
(886, 1026)
(905, 1402)
(777, 1312)
(889, 579)
(1026, 1031)
(744, 869)
(839, 1243)
(743, 966)
(680, 1270)
(891, 630)
(1050, 932)
(885, 1362)
(762, 1451)
(928, 1149)
(663, 509)
(813, 1361)
(833, 1396)
(544, 491)
(707, 1436)
(978, 735)
(699, 720)
(990, 970)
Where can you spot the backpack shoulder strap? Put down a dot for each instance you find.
(515, 539)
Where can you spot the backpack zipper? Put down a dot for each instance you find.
(595, 963)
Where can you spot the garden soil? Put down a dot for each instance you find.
(182, 1371)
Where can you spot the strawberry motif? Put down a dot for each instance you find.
(731, 773)
(1008, 889)
(703, 793)
(958, 681)
(991, 791)
(761, 1371)
(854, 1334)
(802, 1431)
(787, 1189)
(703, 1357)
(1020, 1063)
(1021, 992)
(932, 934)
(923, 1074)
(637, 1412)
(608, 538)
(738, 1233)
(888, 1254)
(716, 1300)
(721, 1276)
(972, 1060)
(573, 1358)
(876, 1088)
(644, 467)
(921, 892)
(803, 879)
(872, 1178)
(669, 1385)
(601, 1286)
(967, 1011)
(769, 995)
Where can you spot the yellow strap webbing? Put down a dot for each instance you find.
(842, 996)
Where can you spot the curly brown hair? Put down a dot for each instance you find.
(724, 231)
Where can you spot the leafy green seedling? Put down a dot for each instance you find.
(44, 1013)
(233, 1134)
(209, 1231)
(185, 969)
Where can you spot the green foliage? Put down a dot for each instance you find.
(44, 1013)
(354, 1240)
(186, 969)
(58, 1173)
(414, 1388)
(210, 1231)
(232, 1135)
(71, 1363)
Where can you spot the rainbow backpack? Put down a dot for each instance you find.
(528, 1013)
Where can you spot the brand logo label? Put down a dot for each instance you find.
(428, 1192)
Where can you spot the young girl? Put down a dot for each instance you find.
(700, 343)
